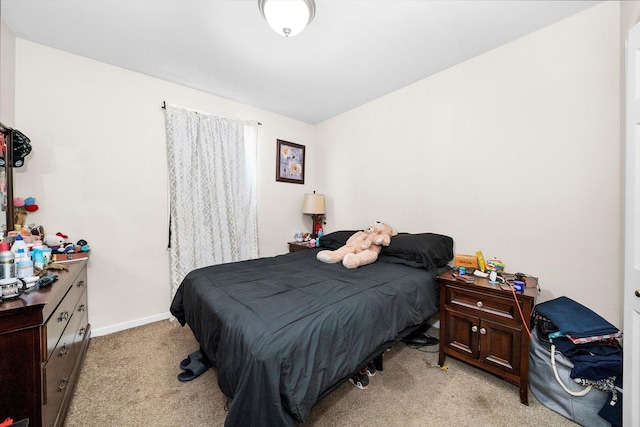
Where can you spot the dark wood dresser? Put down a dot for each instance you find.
(43, 338)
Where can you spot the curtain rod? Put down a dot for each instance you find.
(164, 107)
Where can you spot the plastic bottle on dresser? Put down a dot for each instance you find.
(24, 265)
(18, 244)
(7, 262)
(38, 257)
(24, 268)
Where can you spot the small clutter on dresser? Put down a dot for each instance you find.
(29, 257)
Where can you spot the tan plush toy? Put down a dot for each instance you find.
(361, 248)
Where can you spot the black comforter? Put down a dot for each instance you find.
(280, 331)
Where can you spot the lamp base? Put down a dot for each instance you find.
(317, 226)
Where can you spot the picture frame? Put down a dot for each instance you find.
(290, 162)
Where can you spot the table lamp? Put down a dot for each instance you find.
(314, 205)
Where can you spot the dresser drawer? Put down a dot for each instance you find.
(62, 314)
(80, 322)
(57, 374)
(488, 306)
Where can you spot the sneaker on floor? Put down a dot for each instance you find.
(360, 380)
(371, 368)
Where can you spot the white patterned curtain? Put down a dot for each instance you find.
(212, 181)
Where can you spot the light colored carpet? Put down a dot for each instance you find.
(130, 379)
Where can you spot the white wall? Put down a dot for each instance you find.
(7, 74)
(98, 171)
(515, 153)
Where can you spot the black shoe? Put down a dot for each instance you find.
(371, 368)
(360, 380)
(421, 340)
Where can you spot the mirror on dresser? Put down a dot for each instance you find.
(6, 174)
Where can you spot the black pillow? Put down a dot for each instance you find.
(428, 250)
(335, 240)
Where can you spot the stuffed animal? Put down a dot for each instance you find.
(55, 240)
(361, 248)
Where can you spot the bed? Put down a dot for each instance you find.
(283, 331)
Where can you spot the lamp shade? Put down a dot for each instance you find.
(313, 204)
(287, 17)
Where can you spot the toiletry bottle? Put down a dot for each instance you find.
(25, 268)
(7, 262)
(18, 244)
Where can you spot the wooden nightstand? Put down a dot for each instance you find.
(480, 324)
(298, 246)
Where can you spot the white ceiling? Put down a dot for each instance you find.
(353, 52)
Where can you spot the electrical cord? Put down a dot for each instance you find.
(429, 342)
(515, 298)
(420, 348)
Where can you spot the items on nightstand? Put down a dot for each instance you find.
(496, 265)
(467, 261)
(464, 278)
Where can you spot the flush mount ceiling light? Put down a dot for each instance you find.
(287, 17)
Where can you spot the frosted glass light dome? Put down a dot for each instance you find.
(287, 17)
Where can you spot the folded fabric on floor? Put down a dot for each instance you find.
(594, 361)
(574, 319)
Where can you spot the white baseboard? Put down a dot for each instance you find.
(128, 325)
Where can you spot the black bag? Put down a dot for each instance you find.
(21, 148)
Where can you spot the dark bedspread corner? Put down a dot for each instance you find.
(176, 307)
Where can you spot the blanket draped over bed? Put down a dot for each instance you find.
(280, 331)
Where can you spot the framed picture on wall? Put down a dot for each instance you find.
(290, 162)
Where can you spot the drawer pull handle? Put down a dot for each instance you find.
(474, 328)
(63, 316)
(80, 283)
(483, 331)
(63, 350)
(479, 304)
(82, 307)
(63, 384)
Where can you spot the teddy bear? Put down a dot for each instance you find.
(362, 247)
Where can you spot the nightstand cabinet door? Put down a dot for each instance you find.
(500, 346)
(461, 333)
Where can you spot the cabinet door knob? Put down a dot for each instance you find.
(483, 331)
(479, 303)
(474, 328)
(638, 293)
